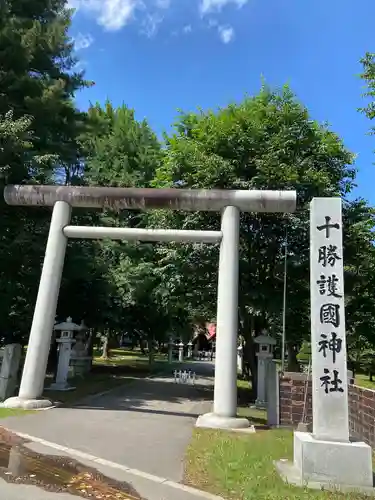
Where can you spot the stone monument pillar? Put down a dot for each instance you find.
(9, 370)
(65, 347)
(264, 355)
(326, 457)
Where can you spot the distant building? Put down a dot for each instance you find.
(211, 329)
(204, 336)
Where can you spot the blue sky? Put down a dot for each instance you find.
(160, 55)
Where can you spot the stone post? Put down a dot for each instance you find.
(65, 347)
(17, 462)
(264, 355)
(240, 358)
(327, 457)
(190, 349)
(9, 370)
(180, 352)
(273, 398)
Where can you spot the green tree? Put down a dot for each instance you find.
(368, 76)
(120, 151)
(268, 141)
(39, 131)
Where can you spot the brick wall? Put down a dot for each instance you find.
(361, 406)
(292, 394)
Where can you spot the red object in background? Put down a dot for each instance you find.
(211, 328)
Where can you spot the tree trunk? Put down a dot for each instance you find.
(353, 366)
(53, 358)
(250, 366)
(105, 347)
(150, 342)
(253, 366)
(142, 347)
(90, 345)
(293, 365)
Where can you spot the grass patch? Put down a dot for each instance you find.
(254, 415)
(244, 405)
(363, 381)
(240, 467)
(243, 392)
(10, 412)
(243, 385)
(123, 357)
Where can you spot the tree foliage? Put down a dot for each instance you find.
(39, 127)
(268, 141)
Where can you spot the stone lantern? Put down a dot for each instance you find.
(265, 354)
(79, 349)
(65, 341)
(181, 351)
(80, 361)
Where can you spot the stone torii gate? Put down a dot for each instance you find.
(62, 198)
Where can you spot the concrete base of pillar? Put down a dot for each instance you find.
(329, 465)
(27, 404)
(213, 421)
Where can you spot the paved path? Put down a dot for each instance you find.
(147, 487)
(22, 492)
(145, 426)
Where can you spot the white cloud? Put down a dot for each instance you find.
(163, 4)
(111, 14)
(150, 24)
(212, 23)
(207, 6)
(226, 33)
(82, 41)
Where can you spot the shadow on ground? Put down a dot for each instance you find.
(144, 425)
(144, 396)
(160, 395)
